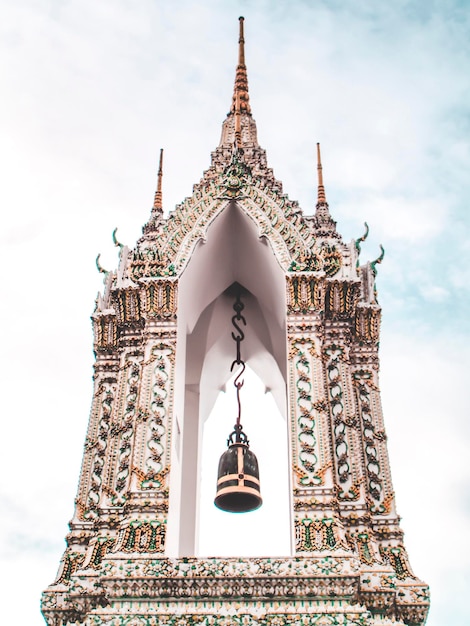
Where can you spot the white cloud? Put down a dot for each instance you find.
(403, 218)
(423, 384)
(434, 293)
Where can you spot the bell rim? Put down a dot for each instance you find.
(256, 498)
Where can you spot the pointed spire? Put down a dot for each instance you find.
(241, 42)
(324, 224)
(240, 90)
(239, 127)
(321, 199)
(156, 215)
(157, 203)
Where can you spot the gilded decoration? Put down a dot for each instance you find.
(101, 547)
(328, 586)
(334, 355)
(236, 177)
(143, 536)
(305, 293)
(316, 535)
(363, 379)
(336, 299)
(105, 332)
(305, 414)
(365, 549)
(326, 258)
(398, 559)
(341, 299)
(367, 323)
(301, 617)
(124, 431)
(350, 495)
(154, 442)
(156, 300)
(128, 306)
(149, 262)
(71, 562)
(96, 445)
(277, 218)
(161, 298)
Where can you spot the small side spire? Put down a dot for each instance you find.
(156, 214)
(158, 200)
(321, 199)
(240, 90)
(323, 222)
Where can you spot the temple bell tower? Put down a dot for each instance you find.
(163, 352)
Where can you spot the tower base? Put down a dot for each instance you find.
(324, 590)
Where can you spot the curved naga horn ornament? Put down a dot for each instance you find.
(377, 261)
(100, 269)
(358, 242)
(363, 238)
(115, 241)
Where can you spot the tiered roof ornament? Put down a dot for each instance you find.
(239, 129)
(239, 169)
(241, 98)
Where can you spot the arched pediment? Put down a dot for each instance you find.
(277, 219)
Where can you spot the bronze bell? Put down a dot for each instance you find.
(238, 487)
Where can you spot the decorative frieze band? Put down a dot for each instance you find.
(336, 299)
(156, 299)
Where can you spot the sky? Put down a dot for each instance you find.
(91, 91)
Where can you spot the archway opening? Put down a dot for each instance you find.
(233, 253)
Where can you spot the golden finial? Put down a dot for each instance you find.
(157, 203)
(241, 42)
(241, 78)
(238, 130)
(321, 189)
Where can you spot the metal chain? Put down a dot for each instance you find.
(238, 317)
(237, 320)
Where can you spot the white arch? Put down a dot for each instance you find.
(232, 252)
